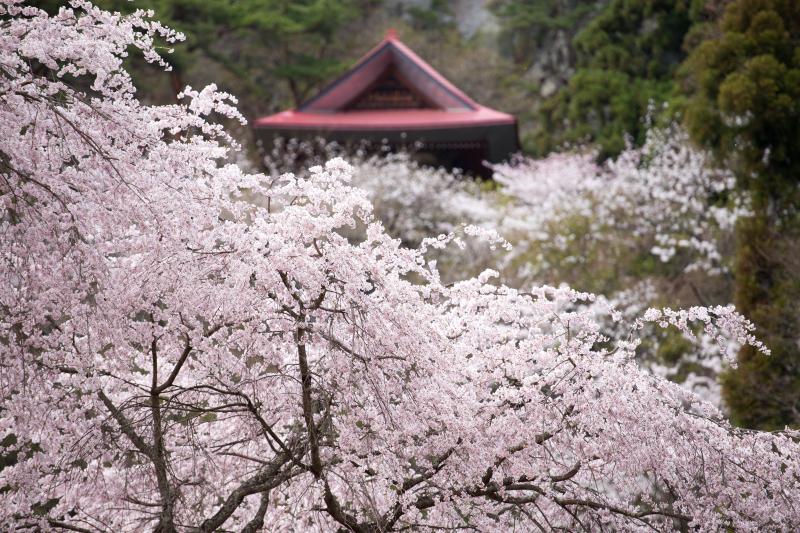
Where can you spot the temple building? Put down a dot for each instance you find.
(392, 96)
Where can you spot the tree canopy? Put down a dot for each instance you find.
(190, 347)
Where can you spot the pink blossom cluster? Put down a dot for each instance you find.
(549, 210)
(175, 358)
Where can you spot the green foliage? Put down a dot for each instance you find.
(305, 32)
(743, 78)
(672, 346)
(254, 42)
(7, 458)
(745, 85)
(525, 23)
(526, 16)
(435, 17)
(600, 106)
(639, 38)
(626, 57)
(600, 260)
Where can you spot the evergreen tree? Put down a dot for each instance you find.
(256, 42)
(744, 80)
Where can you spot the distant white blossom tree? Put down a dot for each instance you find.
(665, 192)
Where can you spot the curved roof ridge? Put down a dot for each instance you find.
(429, 70)
(358, 78)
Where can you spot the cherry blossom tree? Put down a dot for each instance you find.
(412, 200)
(175, 358)
(666, 193)
(651, 227)
(654, 225)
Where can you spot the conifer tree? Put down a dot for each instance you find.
(744, 81)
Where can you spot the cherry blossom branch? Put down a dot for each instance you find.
(267, 478)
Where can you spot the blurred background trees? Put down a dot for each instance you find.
(625, 59)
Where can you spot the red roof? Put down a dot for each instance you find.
(433, 101)
(384, 119)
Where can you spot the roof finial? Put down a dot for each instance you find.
(391, 34)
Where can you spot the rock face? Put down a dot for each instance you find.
(551, 58)
(473, 16)
(553, 62)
